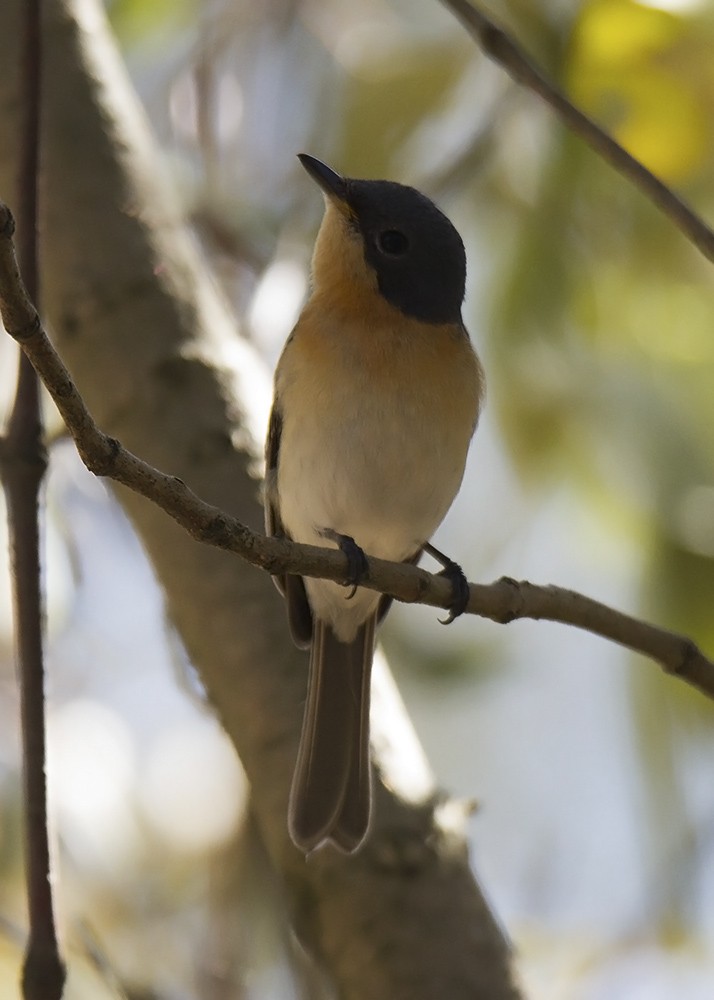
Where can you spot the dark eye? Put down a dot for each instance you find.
(392, 242)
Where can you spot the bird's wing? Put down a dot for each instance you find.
(291, 587)
(273, 524)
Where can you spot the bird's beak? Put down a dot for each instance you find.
(331, 183)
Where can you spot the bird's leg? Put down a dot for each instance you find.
(357, 565)
(459, 585)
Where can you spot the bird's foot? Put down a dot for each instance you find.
(357, 565)
(459, 585)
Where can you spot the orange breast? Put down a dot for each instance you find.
(381, 352)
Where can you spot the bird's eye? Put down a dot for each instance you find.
(392, 242)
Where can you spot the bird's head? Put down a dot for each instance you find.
(379, 237)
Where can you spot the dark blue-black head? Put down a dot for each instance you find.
(415, 252)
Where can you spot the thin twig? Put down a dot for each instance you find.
(23, 461)
(502, 601)
(500, 47)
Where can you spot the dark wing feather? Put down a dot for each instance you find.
(273, 524)
(291, 587)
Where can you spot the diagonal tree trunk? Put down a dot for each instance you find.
(154, 351)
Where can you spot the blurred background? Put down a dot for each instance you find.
(593, 468)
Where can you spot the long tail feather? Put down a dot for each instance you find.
(330, 797)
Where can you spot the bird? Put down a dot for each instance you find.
(377, 394)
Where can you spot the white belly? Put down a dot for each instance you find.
(385, 474)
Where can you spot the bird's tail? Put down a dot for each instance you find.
(330, 797)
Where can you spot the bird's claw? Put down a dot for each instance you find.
(460, 592)
(357, 565)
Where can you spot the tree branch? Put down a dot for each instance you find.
(502, 601)
(23, 462)
(500, 47)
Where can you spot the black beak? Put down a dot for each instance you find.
(333, 185)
